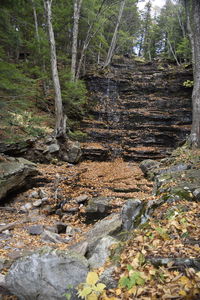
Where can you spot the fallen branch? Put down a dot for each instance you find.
(178, 263)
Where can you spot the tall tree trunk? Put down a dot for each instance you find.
(114, 38)
(173, 52)
(195, 132)
(77, 8)
(60, 126)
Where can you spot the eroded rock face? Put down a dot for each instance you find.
(14, 173)
(143, 111)
(47, 274)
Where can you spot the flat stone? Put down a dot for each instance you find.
(81, 199)
(35, 229)
(34, 194)
(37, 203)
(52, 237)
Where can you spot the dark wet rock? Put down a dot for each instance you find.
(101, 252)
(141, 112)
(61, 227)
(47, 274)
(14, 173)
(35, 229)
(132, 213)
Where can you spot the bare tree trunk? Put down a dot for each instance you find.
(172, 51)
(36, 24)
(60, 126)
(114, 38)
(195, 132)
(189, 28)
(77, 8)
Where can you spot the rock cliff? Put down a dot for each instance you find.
(138, 110)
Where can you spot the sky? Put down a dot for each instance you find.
(159, 3)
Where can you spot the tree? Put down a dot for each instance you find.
(114, 38)
(195, 132)
(60, 126)
(77, 8)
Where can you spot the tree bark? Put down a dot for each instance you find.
(60, 126)
(77, 8)
(195, 132)
(114, 38)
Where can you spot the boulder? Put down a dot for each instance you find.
(47, 274)
(72, 153)
(99, 205)
(101, 252)
(49, 236)
(132, 213)
(14, 173)
(110, 225)
(148, 164)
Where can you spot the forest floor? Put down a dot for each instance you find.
(164, 236)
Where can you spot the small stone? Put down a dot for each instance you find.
(71, 210)
(53, 148)
(35, 229)
(42, 194)
(7, 232)
(34, 194)
(70, 231)
(81, 199)
(26, 207)
(37, 203)
(45, 200)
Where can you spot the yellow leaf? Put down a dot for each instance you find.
(118, 292)
(133, 291)
(92, 296)
(92, 278)
(182, 293)
(184, 280)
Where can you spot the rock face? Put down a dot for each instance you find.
(142, 111)
(13, 174)
(47, 274)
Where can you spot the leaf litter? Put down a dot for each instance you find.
(172, 232)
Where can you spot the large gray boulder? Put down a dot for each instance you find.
(108, 226)
(47, 274)
(14, 173)
(132, 214)
(101, 252)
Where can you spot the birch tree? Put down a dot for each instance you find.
(77, 9)
(60, 124)
(195, 132)
(114, 38)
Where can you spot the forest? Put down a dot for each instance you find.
(99, 149)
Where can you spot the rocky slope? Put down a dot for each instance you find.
(138, 110)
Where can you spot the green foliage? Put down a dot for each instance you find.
(134, 278)
(188, 83)
(78, 135)
(73, 95)
(91, 288)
